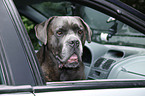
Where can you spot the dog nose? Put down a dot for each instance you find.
(74, 43)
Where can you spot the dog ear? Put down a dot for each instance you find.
(89, 31)
(41, 30)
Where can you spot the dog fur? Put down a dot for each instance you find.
(63, 38)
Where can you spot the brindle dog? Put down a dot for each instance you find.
(63, 38)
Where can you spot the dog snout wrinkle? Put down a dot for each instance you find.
(74, 43)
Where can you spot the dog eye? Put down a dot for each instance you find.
(80, 31)
(59, 33)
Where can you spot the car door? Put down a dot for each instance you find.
(20, 66)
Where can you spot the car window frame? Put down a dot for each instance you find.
(30, 62)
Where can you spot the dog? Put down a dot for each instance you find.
(63, 38)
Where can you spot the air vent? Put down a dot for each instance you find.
(107, 64)
(98, 62)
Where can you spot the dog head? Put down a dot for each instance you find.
(65, 37)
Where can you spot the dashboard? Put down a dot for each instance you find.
(113, 62)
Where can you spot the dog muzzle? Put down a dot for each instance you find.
(70, 63)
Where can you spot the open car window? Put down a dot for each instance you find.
(110, 33)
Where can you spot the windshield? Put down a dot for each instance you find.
(124, 36)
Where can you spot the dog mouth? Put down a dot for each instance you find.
(73, 58)
(71, 62)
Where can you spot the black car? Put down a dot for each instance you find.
(114, 61)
